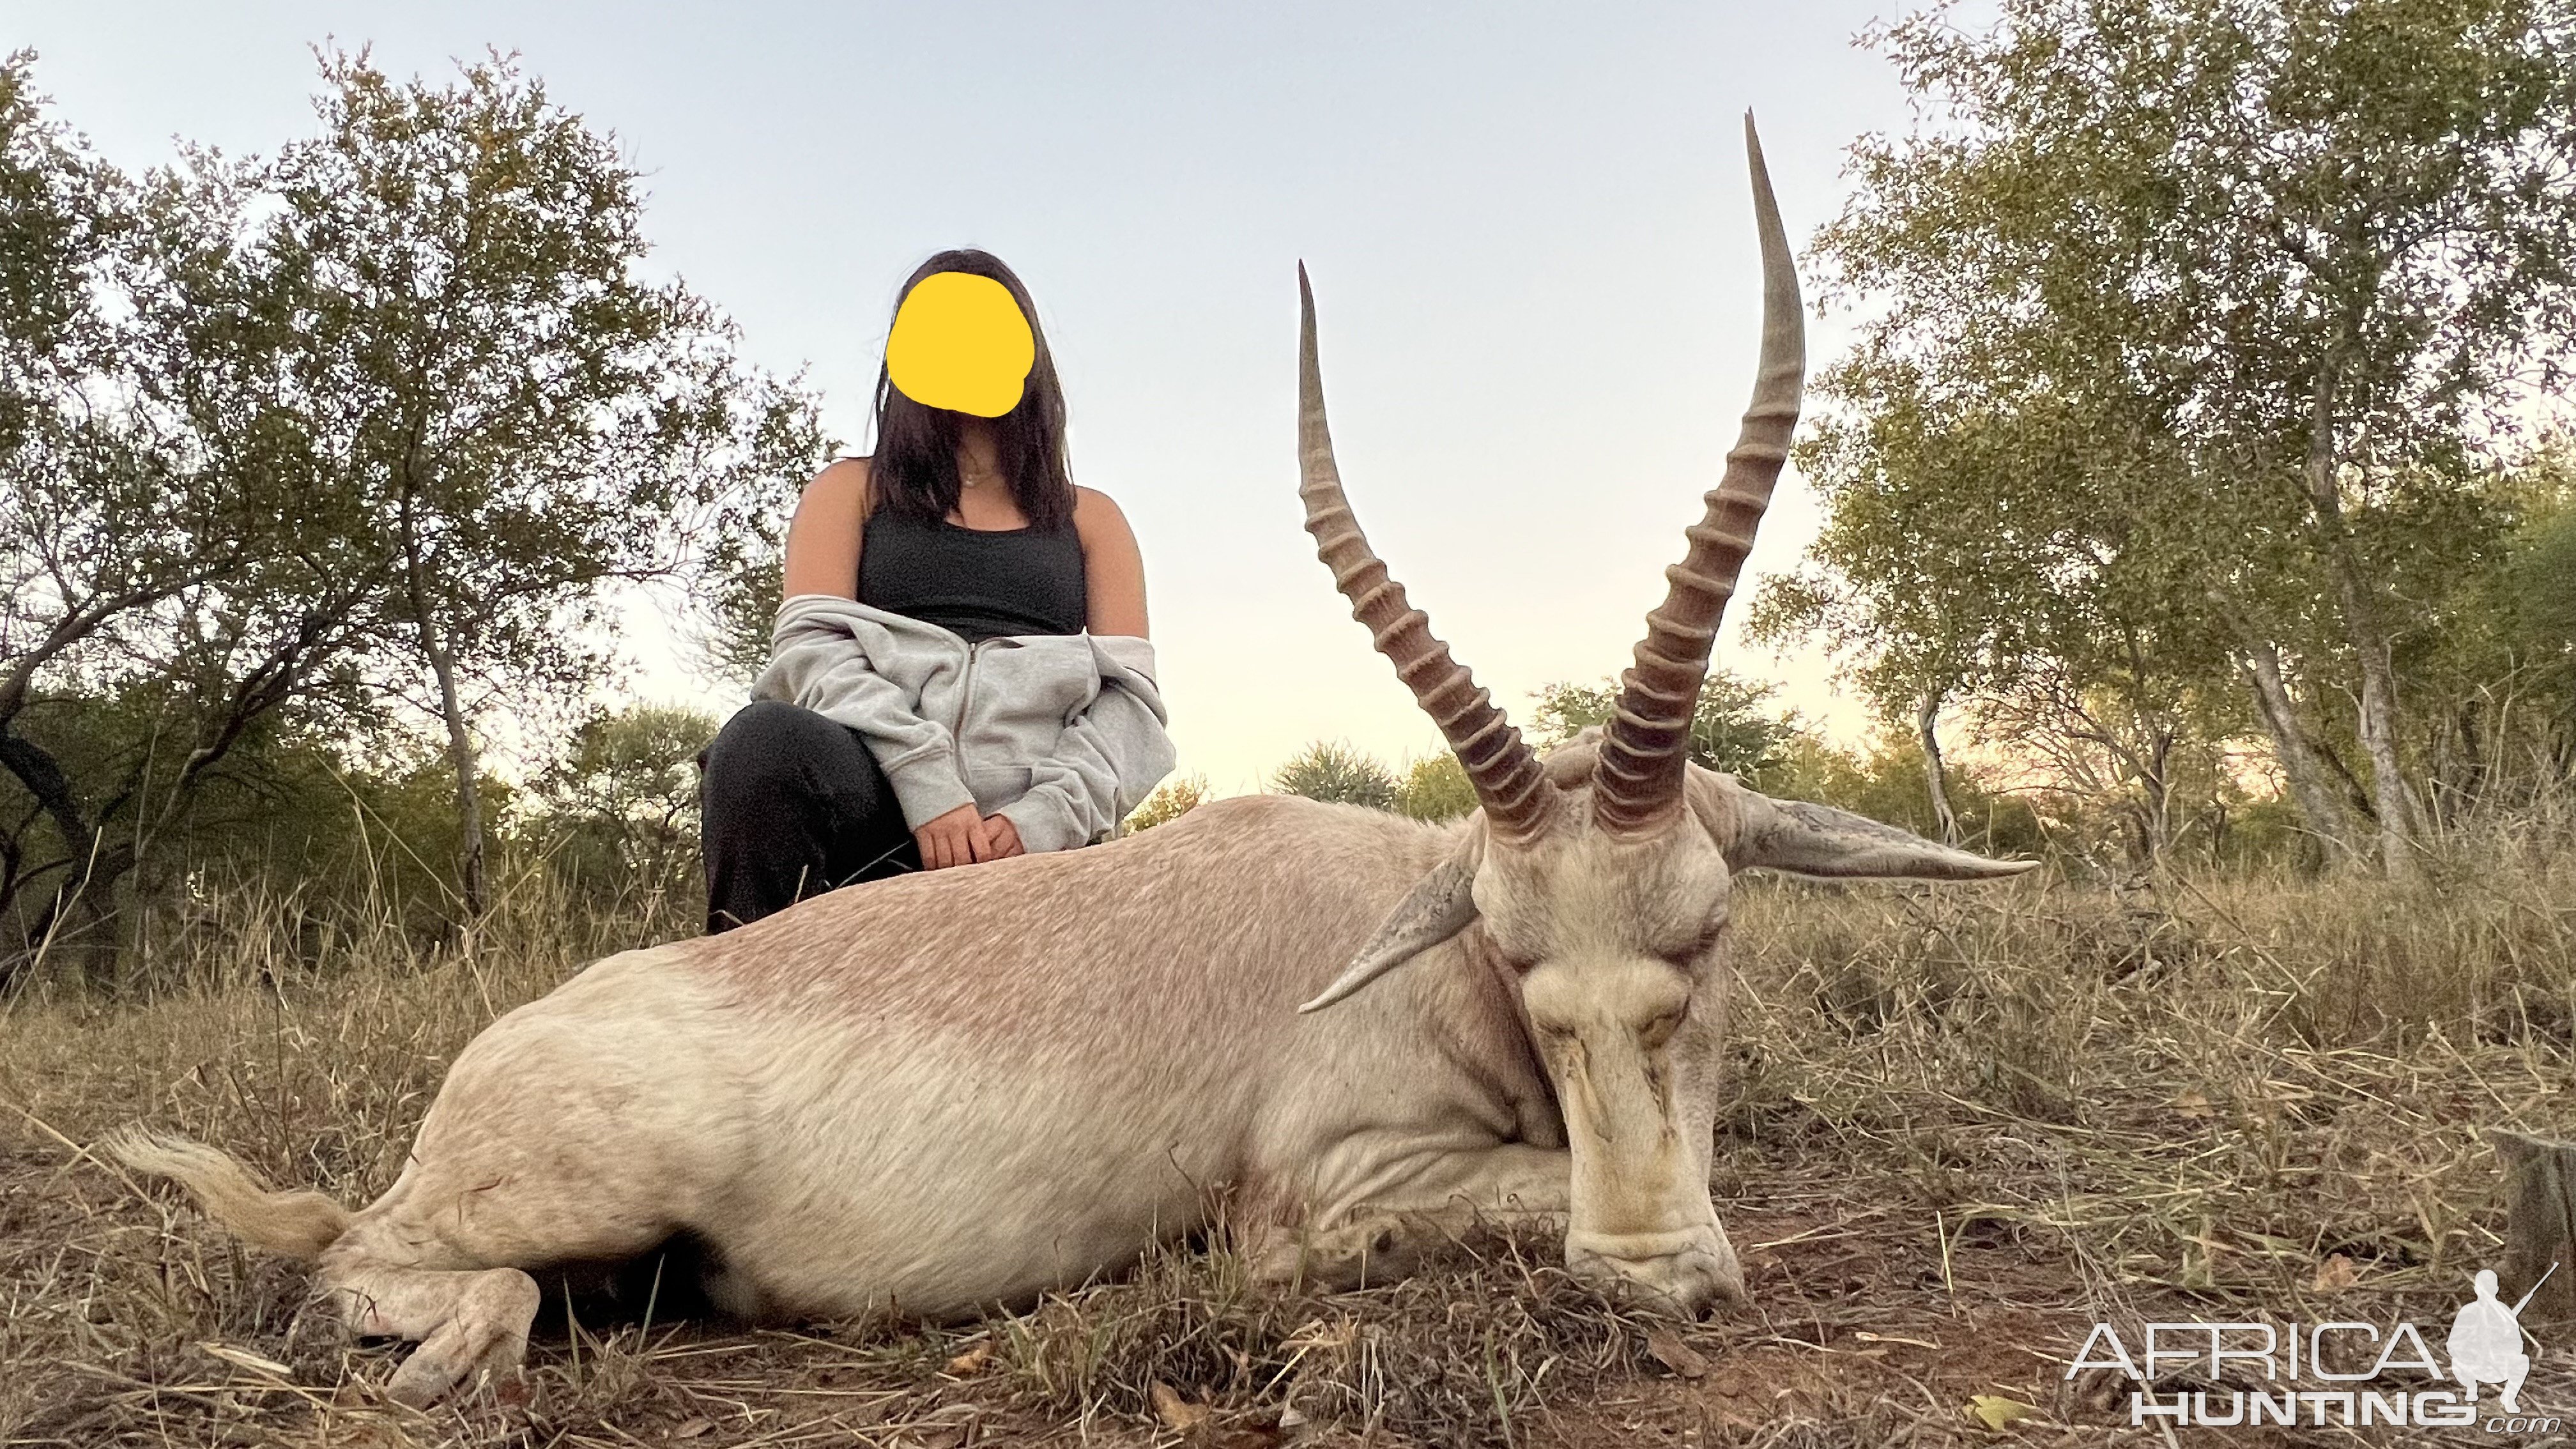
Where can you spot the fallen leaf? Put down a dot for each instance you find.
(2193, 1105)
(693, 1428)
(970, 1363)
(1178, 1414)
(2335, 1274)
(1997, 1412)
(1672, 1353)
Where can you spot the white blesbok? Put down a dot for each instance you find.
(949, 1091)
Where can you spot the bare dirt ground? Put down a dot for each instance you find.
(1964, 1129)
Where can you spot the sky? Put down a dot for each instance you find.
(1528, 227)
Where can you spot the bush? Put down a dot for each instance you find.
(619, 808)
(1435, 787)
(1170, 801)
(1337, 774)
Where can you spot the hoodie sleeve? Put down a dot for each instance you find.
(1109, 758)
(820, 660)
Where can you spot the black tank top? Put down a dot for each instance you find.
(976, 583)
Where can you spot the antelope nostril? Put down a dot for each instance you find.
(1685, 1277)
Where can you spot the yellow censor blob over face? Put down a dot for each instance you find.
(959, 342)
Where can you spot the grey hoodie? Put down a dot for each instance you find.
(1062, 734)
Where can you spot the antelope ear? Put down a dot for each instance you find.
(1756, 832)
(1432, 912)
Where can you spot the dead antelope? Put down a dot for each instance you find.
(949, 1091)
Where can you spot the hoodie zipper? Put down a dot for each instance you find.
(965, 705)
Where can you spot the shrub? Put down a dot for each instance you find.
(1435, 787)
(1170, 801)
(1334, 772)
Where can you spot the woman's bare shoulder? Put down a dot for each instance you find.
(843, 481)
(1093, 509)
(1113, 569)
(840, 496)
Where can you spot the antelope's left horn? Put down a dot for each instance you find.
(1637, 778)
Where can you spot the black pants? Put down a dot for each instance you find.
(793, 805)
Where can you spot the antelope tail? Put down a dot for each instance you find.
(298, 1224)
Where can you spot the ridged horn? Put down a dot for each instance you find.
(1506, 774)
(1637, 779)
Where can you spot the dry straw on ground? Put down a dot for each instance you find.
(1965, 1125)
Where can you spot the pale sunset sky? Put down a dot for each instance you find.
(1528, 226)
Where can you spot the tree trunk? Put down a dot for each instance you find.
(451, 711)
(2379, 725)
(36, 770)
(460, 756)
(2458, 771)
(94, 866)
(2301, 766)
(2540, 1224)
(1926, 715)
(79, 921)
(2155, 788)
(2369, 639)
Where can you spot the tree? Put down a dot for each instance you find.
(1993, 543)
(154, 608)
(2496, 660)
(621, 801)
(2293, 262)
(510, 413)
(1730, 728)
(1882, 778)
(57, 216)
(287, 447)
(2540, 586)
(2542, 607)
(1335, 773)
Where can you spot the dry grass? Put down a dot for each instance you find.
(1965, 1125)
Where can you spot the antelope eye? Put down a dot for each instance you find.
(1660, 1030)
(1700, 945)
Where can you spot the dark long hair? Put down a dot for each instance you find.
(914, 469)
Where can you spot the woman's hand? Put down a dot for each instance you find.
(1002, 837)
(956, 838)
